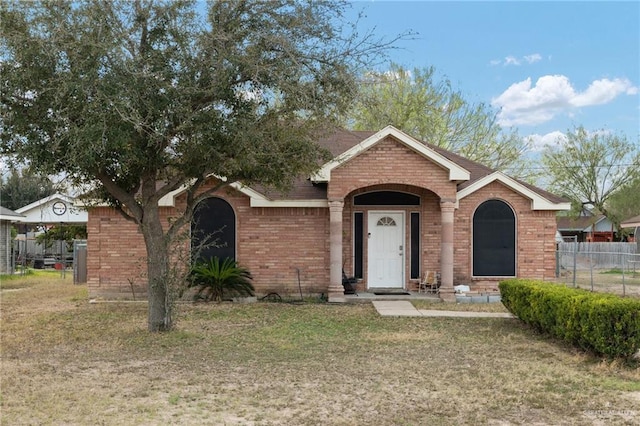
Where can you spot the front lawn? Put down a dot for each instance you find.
(66, 361)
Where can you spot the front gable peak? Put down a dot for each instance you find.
(538, 200)
(456, 172)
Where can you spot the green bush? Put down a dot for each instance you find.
(219, 279)
(602, 323)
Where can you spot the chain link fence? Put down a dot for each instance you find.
(28, 253)
(603, 267)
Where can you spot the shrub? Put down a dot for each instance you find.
(216, 280)
(602, 323)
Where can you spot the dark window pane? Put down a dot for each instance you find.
(213, 230)
(358, 246)
(386, 198)
(415, 245)
(494, 240)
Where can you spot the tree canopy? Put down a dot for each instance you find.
(22, 187)
(418, 103)
(590, 168)
(139, 98)
(625, 202)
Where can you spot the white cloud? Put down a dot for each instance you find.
(539, 142)
(535, 57)
(523, 103)
(514, 60)
(603, 91)
(511, 60)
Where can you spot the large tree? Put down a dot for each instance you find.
(625, 202)
(428, 108)
(141, 97)
(589, 168)
(22, 187)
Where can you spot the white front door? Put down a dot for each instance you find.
(386, 250)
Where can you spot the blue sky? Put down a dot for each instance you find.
(546, 66)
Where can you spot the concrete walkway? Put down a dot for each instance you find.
(403, 308)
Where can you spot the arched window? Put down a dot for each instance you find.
(494, 240)
(213, 230)
(386, 221)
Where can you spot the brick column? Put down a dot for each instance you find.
(447, 209)
(336, 291)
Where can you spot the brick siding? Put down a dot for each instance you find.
(277, 244)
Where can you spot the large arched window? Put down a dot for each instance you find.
(494, 240)
(213, 230)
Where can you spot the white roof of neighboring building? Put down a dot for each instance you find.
(55, 208)
(10, 215)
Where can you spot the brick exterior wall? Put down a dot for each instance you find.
(390, 162)
(270, 242)
(276, 243)
(535, 236)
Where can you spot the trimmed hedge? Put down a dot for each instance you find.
(602, 323)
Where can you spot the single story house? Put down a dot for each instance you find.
(41, 215)
(633, 222)
(52, 210)
(587, 228)
(386, 209)
(7, 217)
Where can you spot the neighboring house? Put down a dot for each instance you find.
(587, 228)
(634, 223)
(52, 210)
(41, 215)
(7, 217)
(386, 209)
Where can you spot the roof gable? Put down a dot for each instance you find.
(42, 211)
(46, 200)
(538, 202)
(456, 172)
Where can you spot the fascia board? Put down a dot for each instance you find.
(11, 218)
(169, 200)
(289, 203)
(537, 201)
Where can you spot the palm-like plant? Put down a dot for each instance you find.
(218, 279)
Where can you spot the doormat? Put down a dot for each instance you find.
(391, 293)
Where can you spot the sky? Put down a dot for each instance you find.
(545, 67)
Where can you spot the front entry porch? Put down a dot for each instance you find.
(384, 250)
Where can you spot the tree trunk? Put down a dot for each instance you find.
(159, 318)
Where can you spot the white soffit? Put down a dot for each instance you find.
(538, 202)
(456, 173)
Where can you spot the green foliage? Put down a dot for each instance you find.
(590, 167)
(139, 98)
(417, 103)
(625, 203)
(217, 280)
(65, 233)
(22, 187)
(601, 323)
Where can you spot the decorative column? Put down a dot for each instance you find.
(336, 291)
(447, 292)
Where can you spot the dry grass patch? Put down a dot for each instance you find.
(65, 361)
(465, 307)
(605, 281)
